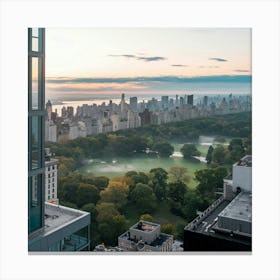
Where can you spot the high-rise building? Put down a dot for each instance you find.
(205, 100)
(226, 225)
(190, 99)
(133, 103)
(50, 227)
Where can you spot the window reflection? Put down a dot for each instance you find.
(35, 141)
(35, 40)
(35, 82)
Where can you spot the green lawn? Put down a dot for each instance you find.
(162, 215)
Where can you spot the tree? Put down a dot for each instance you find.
(116, 193)
(177, 191)
(69, 192)
(106, 212)
(178, 174)
(87, 193)
(189, 151)
(146, 217)
(144, 198)
(209, 154)
(236, 148)
(159, 182)
(101, 182)
(192, 202)
(209, 180)
(219, 154)
(168, 229)
(111, 223)
(163, 148)
(91, 208)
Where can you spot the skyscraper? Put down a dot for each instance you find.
(50, 227)
(133, 103)
(190, 99)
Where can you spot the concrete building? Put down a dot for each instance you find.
(190, 99)
(50, 227)
(50, 131)
(51, 165)
(226, 225)
(133, 104)
(145, 237)
(242, 174)
(65, 230)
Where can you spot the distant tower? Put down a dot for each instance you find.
(133, 104)
(205, 101)
(190, 99)
(49, 110)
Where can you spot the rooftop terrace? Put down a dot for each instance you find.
(145, 226)
(240, 208)
(57, 216)
(245, 161)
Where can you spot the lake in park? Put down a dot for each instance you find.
(116, 166)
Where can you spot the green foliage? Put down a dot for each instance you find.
(91, 208)
(219, 154)
(177, 191)
(146, 217)
(159, 182)
(209, 181)
(178, 174)
(189, 150)
(111, 223)
(209, 154)
(168, 229)
(163, 148)
(106, 212)
(143, 197)
(87, 193)
(236, 148)
(116, 193)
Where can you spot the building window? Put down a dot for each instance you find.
(35, 196)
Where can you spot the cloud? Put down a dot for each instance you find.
(217, 59)
(179, 65)
(201, 66)
(144, 58)
(241, 70)
(139, 80)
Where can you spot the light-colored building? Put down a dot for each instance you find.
(242, 174)
(50, 131)
(146, 237)
(51, 179)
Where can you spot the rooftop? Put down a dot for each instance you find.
(57, 216)
(245, 161)
(240, 208)
(145, 226)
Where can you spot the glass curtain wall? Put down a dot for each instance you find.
(36, 115)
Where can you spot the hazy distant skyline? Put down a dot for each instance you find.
(145, 60)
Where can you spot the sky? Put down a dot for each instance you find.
(146, 60)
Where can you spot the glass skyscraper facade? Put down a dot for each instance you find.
(36, 113)
(50, 227)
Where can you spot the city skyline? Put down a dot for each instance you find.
(146, 60)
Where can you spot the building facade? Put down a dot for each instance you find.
(50, 227)
(145, 237)
(226, 225)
